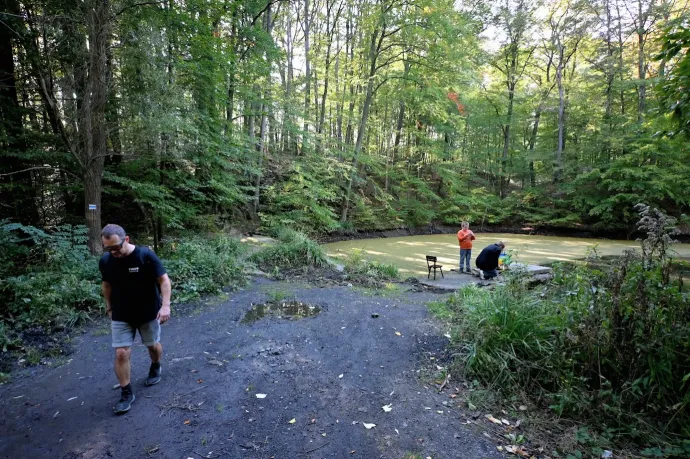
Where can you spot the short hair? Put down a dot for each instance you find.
(111, 230)
(500, 243)
(465, 223)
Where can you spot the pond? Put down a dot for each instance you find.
(408, 253)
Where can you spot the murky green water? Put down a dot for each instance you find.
(409, 252)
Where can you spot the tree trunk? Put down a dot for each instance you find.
(641, 65)
(93, 133)
(558, 167)
(19, 193)
(307, 75)
(265, 107)
(373, 54)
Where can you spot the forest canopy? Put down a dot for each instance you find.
(175, 115)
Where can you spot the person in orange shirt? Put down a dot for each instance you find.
(465, 238)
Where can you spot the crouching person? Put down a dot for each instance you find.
(487, 261)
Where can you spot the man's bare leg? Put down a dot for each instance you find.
(155, 352)
(122, 365)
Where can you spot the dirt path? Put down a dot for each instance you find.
(215, 365)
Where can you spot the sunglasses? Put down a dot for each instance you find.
(114, 248)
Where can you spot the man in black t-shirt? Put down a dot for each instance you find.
(487, 261)
(137, 297)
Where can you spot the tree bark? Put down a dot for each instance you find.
(558, 167)
(94, 134)
(373, 55)
(307, 75)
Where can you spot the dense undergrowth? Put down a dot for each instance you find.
(292, 250)
(49, 279)
(606, 347)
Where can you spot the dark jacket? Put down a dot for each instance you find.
(488, 258)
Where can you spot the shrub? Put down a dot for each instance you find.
(203, 266)
(293, 249)
(603, 346)
(54, 280)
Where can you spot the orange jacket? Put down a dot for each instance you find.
(465, 238)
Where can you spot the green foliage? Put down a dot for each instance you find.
(203, 266)
(675, 44)
(51, 280)
(292, 250)
(357, 264)
(608, 347)
(305, 200)
(473, 204)
(55, 280)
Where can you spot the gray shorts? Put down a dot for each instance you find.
(124, 333)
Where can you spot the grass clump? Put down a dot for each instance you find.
(292, 250)
(356, 264)
(609, 348)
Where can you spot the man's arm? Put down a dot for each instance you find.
(107, 290)
(166, 290)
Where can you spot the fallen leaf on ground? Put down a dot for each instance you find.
(396, 431)
(493, 419)
(522, 408)
(187, 422)
(505, 421)
(292, 421)
(387, 408)
(500, 448)
(323, 434)
(260, 395)
(368, 426)
(340, 376)
(353, 451)
(398, 333)
(453, 395)
(517, 450)
(439, 412)
(57, 413)
(70, 399)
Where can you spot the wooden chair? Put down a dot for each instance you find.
(431, 264)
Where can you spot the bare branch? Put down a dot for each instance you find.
(41, 168)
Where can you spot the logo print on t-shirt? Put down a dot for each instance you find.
(134, 270)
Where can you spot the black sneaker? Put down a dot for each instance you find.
(125, 402)
(154, 375)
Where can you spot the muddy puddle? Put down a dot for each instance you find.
(280, 310)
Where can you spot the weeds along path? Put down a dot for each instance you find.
(269, 388)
